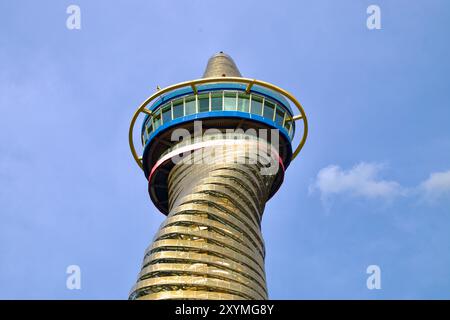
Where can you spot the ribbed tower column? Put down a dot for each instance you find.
(210, 246)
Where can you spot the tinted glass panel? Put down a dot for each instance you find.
(230, 101)
(190, 105)
(279, 116)
(243, 102)
(157, 119)
(216, 101)
(178, 108)
(268, 109)
(288, 124)
(203, 103)
(256, 105)
(149, 127)
(167, 114)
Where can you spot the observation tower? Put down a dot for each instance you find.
(214, 151)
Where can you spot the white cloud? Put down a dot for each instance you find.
(436, 186)
(360, 181)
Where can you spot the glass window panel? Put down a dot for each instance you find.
(178, 108)
(279, 116)
(144, 135)
(288, 123)
(243, 102)
(203, 103)
(256, 105)
(268, 109)
(230, 101)
(166, 114)
(149, 127)
(216, 101)
(190, 105)
(157, 119)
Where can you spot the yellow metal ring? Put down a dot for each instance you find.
(193, 83)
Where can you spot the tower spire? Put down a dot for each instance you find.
(221, 65)
(214, 185)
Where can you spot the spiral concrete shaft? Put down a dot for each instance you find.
(210, 246)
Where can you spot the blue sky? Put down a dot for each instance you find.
(371, 186)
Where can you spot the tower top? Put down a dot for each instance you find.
(222, 99)
(221, 65)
